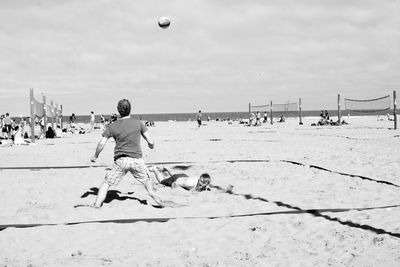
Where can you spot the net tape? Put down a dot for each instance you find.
(266, 107)
(368, 105)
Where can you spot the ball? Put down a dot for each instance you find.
(164, 22)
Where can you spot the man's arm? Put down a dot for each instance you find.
(150, 141)
(156, 172)
(157, 198)
(99, 148)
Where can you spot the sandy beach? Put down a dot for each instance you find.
(302, 196)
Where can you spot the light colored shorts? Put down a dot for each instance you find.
(127, 164)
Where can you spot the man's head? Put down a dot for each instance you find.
(124, 107)
(204, 182)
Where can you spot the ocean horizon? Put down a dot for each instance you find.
(225, 115)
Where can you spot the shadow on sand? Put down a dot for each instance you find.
(115, 195)
(319, 213)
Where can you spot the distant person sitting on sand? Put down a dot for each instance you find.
(326, 115)
(324, 120)
(165, 177)
(58, 131)
(282, 119)
(252, 119)
(50, 133)
(389, 117)
(18, 139)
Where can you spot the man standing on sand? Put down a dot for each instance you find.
(92, 120)
(8, 125)
(127, 153)
(198, 117)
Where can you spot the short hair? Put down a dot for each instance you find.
(124, 107)
(205, 175)
(205, 186)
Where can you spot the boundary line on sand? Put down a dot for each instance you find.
(315, 212)
(212, 161)
(319, 213)
(341, 173)
(104, 166)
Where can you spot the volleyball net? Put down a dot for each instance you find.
(285, 107)
(40, 113)
(279, 110)
(253, 108)
(37, 108)
(375, 105)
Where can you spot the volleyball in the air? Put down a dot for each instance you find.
(164, 22)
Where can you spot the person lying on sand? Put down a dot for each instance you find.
(167, 178)
(191, 183)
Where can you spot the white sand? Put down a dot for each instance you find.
(364, 147)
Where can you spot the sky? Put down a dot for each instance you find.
(217, 55)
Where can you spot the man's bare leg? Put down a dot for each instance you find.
(101, 195)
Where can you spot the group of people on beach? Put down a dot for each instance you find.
(326, 120)
(127, 132)
(16, 133)
(7, 124)
(255, 119)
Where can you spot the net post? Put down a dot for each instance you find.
(249, 113)
(61, 112)
(270, 112)
(44, 115)
(52, 114)
(394, 110)
(56, 115)
(300, 109)
(32, 121)
(339, 115)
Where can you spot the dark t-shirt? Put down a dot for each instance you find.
(169, 181)
(126, 133)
